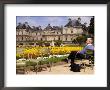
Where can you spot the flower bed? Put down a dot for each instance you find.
(35, 52)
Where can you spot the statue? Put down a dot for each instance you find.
(52, 43)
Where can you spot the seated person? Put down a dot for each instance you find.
(89, 45)
(80, 54)
(72, 56)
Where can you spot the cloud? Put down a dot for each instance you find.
(83, 19)
(28, 19)
(56, 20)
(53, 20)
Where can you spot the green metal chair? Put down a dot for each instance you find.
(90, 56)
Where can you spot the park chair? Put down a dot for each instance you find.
(88, 59)
(90, 56)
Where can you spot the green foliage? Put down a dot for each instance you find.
(52, 60)
(47, 44)
(91, 27)
(40, 43)
(58, 42)
(81, 39)
(56, 59)
(45, 55)
(20, 65)
(20, 61)
(73, 45)
(90, 52)
(42, 62)
(30, 63)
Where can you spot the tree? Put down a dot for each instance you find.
(39, 27)
(69, 24)
(78, 22)
(81, 39)
(84, 28)
(40, 43)
(24, 26)
(26, 23)
(19, 26)
(33, 27)
(74, 41)
(48, 27)
(91, 27)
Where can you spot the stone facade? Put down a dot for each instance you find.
(67, 34)
(26, 35)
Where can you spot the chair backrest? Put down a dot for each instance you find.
(89, 52)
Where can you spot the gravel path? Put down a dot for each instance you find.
(64, 69)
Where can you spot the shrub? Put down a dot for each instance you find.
(30, 63)
(20, 65)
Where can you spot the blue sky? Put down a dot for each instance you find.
(43, 21)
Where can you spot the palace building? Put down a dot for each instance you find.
(26, 35)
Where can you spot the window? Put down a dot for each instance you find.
(17, 33)
(22, 39)
(66, 38)
(26, 38)
(58, 38)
